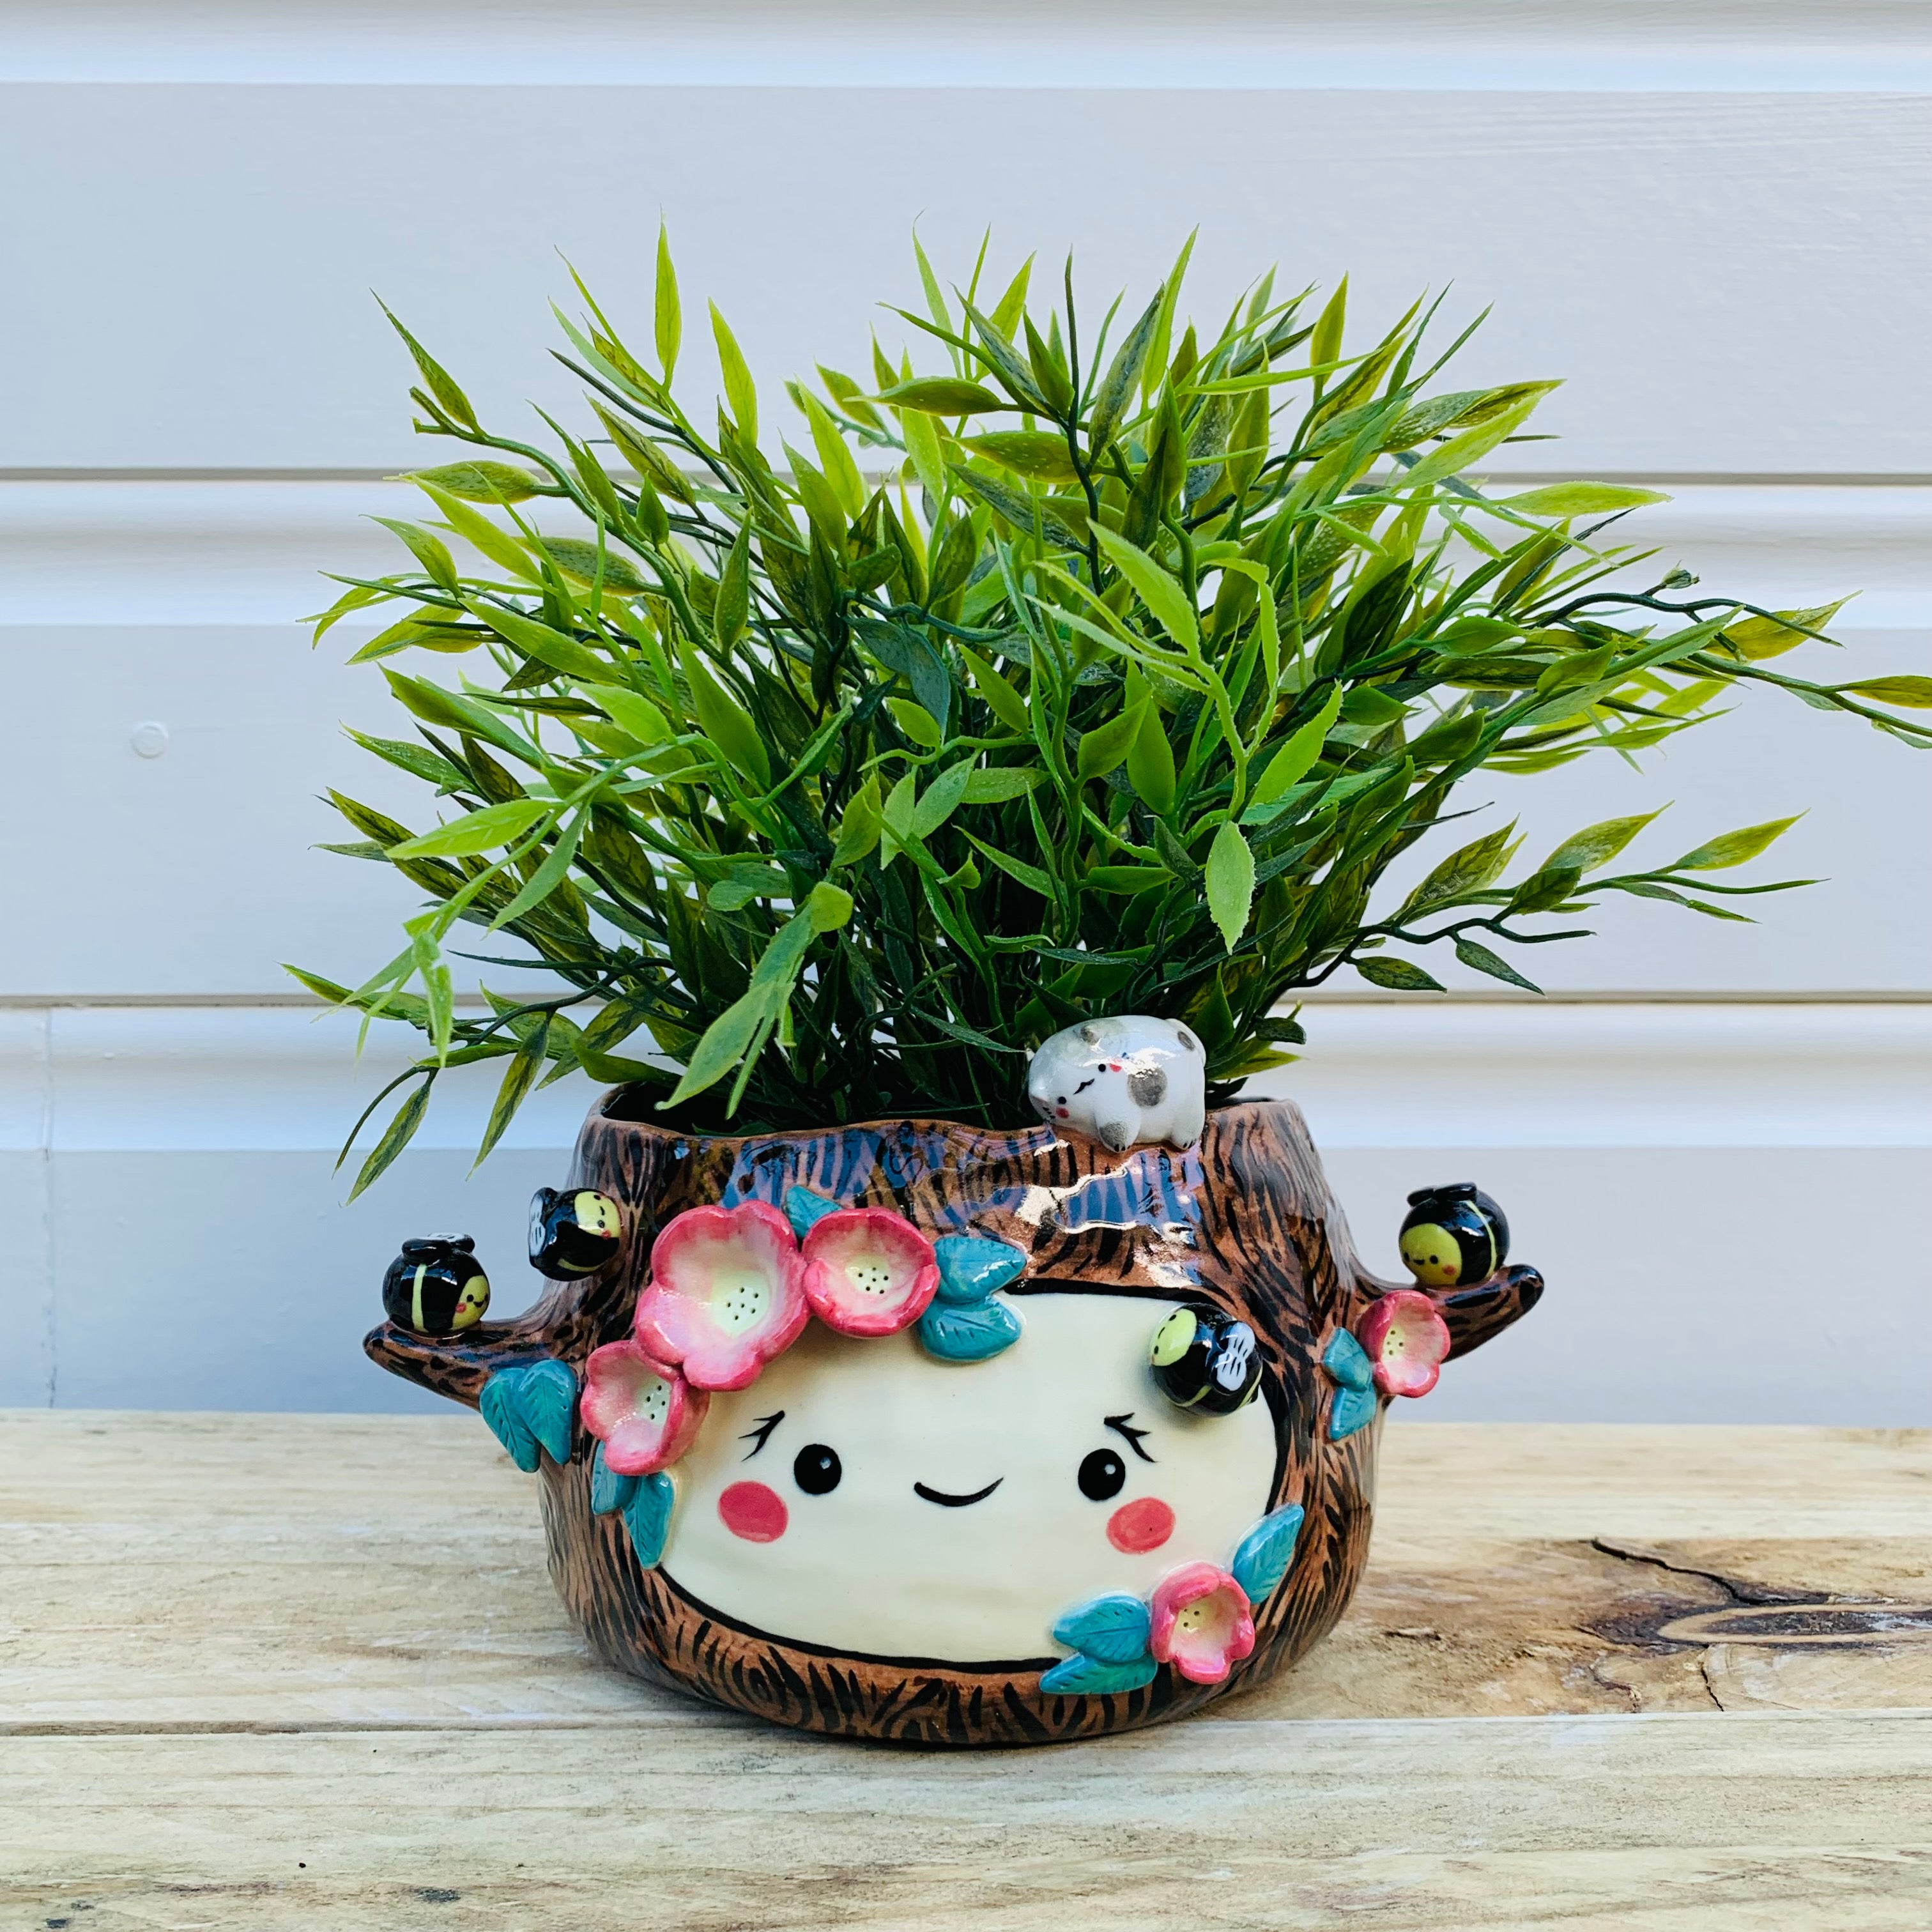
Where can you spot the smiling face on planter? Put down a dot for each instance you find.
(900, 1506)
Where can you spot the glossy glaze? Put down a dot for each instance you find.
(1242, 1224)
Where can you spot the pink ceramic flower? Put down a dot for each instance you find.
(1406, 1340)
(643, 1411)
(1200, 1622)
(868, 1271)
(726, 1294)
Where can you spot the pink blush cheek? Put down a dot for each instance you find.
(751, 1510)
(1143, 1524)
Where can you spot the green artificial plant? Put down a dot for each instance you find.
(1055, 671)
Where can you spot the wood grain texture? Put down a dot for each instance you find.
(309, 1673)
(1244, 1221)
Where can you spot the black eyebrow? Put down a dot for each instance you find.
(766, 1423)
(1120, 1425)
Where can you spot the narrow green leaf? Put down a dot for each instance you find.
(827, 907)
(632, 712)
(1596, 845)
(1153, 368)
(725, 721)
(1581, 500)
(1291, 764)
(429, 551)
(740, 392)
(923, 447)
(1150, 762)
(858, 826)
(942, 396)
(1161, 593)
(916, 722)
(477, 530)
(1472, 446)
(437, 378)
(1471, 869)
(1398, 975)
(526, 1064)
(941, 798)
(1733, 848)
(1909, 691)
(1039, 454)
(995, 787)
(1231, 882)
(479, 481)
(483, 830)
(1110, 399)
(583, 562)
(1031, 876)
(544, 881)
(835, 457)
(1002, 700)
(1106, 746)
(668, 319)
(1473, 953)
(734, 593)
(1757, 638)
(401, 1131)
(1325, 345)
(538, 640)
(1020, 510)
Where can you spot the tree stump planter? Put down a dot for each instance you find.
(1242, 1224)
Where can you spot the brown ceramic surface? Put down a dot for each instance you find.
(1243, 1220)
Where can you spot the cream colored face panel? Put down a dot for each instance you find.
(872, 1567)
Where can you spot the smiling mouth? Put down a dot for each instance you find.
(946, 1501)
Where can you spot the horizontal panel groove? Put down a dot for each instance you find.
(93, 1080)
(1315, 996)
(1659, 479)
(250, 549)
(1595, 46)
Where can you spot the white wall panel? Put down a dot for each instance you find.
(1727, 1201)
(1721, 276)
(1709, 45)
(140, 602)
(1711, 217)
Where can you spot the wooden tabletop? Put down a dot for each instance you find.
(308, 1672)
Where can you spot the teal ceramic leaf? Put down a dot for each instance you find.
(1088, 1676)
(1111, 1629)
(608, 1490)
(647, 1517)
(968, 1334)
(504, 1413)
(530, 1406)
(1262, 1561)
(548, 1399)
(805, 1210)
(972, 1266)
(1345, 1360)
(1353, 1408)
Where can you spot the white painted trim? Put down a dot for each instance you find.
(156, 551)
(259, 1079)
(1702, 46)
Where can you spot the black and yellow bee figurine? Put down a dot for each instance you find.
(437, 1286)
(1453, 1236)
(1205, 1361)
(574, 1231)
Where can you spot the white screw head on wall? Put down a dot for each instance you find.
(149, 740)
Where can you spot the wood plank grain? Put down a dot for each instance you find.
(1665, 1824)
(199, 1572)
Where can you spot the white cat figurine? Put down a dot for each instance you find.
(1122, 1082)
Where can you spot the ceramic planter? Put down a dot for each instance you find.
(1057, 1441)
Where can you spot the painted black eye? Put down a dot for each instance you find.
(816, 1469)
(1101, 1475)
